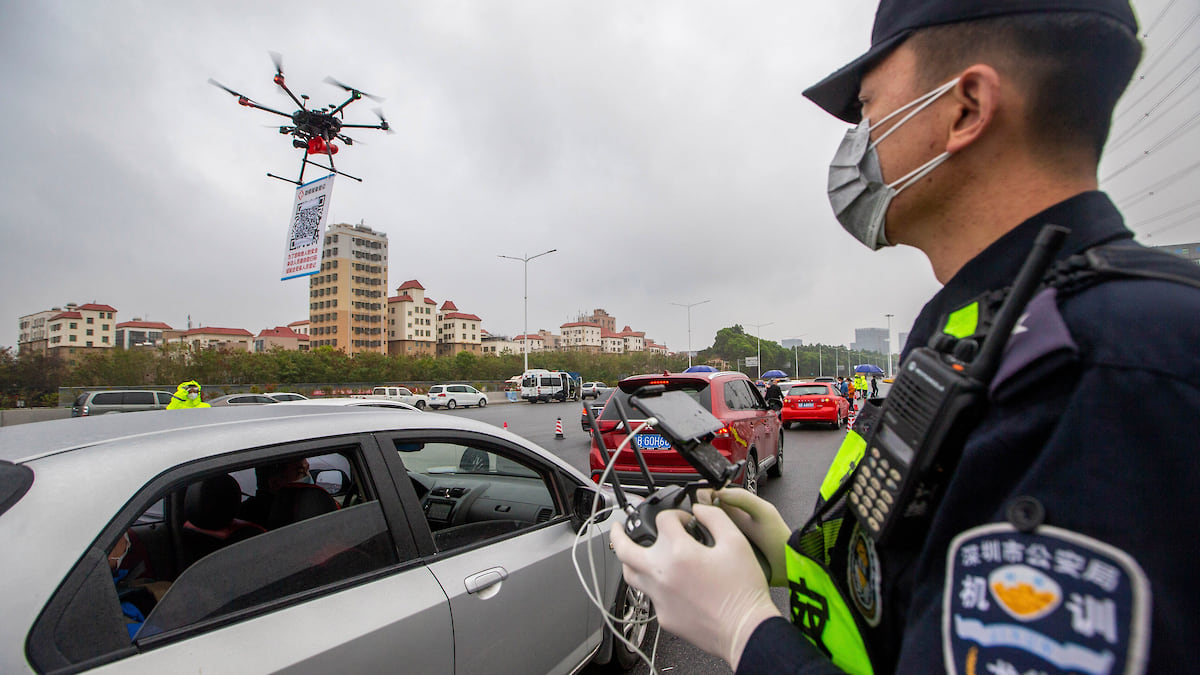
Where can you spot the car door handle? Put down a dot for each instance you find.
(485, 579)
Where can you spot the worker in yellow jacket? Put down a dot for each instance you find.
(860, 385)
(187, 395)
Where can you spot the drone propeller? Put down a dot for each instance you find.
(352, 90)
(277, 59)
(383, 123)
(221, 86)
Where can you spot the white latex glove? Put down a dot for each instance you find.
(760, 521)
(712, 597)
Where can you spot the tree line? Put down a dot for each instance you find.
(34, 378)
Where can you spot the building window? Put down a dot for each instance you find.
(89, 319)
(74, 325)
(72, 338)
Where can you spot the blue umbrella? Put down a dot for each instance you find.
(774, 373)
(700, 369)
(869, 368)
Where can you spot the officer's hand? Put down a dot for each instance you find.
(759, 520)
(712, 597)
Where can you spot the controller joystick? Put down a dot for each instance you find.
(642, 529)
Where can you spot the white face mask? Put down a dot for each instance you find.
(856, 189)
(193, 395)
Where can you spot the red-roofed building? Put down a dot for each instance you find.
(280, 337)
(635, 341)
(410, 318)
(457, 331)
(144, 334)
(221, 339)
(68, 331)
(300, 326)
(610, 342)
(655, 348)
(580, 336)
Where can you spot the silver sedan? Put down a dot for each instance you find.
(292, 538)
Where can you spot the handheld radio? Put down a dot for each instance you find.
(936, 400)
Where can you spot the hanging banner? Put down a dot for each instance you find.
(302, 249)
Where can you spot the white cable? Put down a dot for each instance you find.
(593, 591)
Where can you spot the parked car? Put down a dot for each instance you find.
(241, 399)
(122, 401)
(752, 430)
(401, 394)
(281, 397)
(592, 389)
(440, 545)
(824, 378)
(814, 402)
(355, 402)
(450, 396)
(583, 414)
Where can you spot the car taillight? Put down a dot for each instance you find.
(85, 411)
(723, 432)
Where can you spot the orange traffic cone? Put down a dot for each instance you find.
(558, 434)
(506, 426)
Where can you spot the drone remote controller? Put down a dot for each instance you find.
(640, 525)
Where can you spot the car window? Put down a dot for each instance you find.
(699, 391)
(458, 389)
(80, 400)
(138, 398)
(472, 493)
(737, 396)
(549, 382)
(107, 398)
(221, 543)
(163, 398)
(809, 390)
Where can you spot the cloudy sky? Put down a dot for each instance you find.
(663, 147)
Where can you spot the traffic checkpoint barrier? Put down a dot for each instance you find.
(850, 419)
(558, 432)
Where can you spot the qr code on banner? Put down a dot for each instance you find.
(307, 224)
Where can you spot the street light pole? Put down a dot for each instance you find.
(525, 262)
(889, 343)
(758, 331)
(689, 319)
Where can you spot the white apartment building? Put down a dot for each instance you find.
(457, 331)
(580, 336)
(410, 321)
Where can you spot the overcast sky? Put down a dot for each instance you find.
(663, 148)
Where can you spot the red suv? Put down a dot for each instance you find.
(752, 430)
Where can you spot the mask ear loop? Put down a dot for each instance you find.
(921, 103)
(918, 173)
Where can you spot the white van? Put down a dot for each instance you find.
(548, 385)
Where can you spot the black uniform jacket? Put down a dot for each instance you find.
(1104, 434)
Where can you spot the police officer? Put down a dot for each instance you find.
(1064, 540)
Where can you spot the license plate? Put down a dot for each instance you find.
(804, 404)
(652, 442)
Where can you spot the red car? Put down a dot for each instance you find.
(814, 402)
(751, 432)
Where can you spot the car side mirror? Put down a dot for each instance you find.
(581, 506)
(775, 404)
(332, 481)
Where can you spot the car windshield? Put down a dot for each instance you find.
(697, 390)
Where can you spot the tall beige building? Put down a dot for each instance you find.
(347, 297)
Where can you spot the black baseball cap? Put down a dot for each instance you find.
(895, 20)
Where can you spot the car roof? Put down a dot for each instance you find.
(698, 378)
(352, 402)
(184, 435)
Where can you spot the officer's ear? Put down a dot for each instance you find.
(977, 98)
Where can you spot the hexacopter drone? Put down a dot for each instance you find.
(314, 130)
